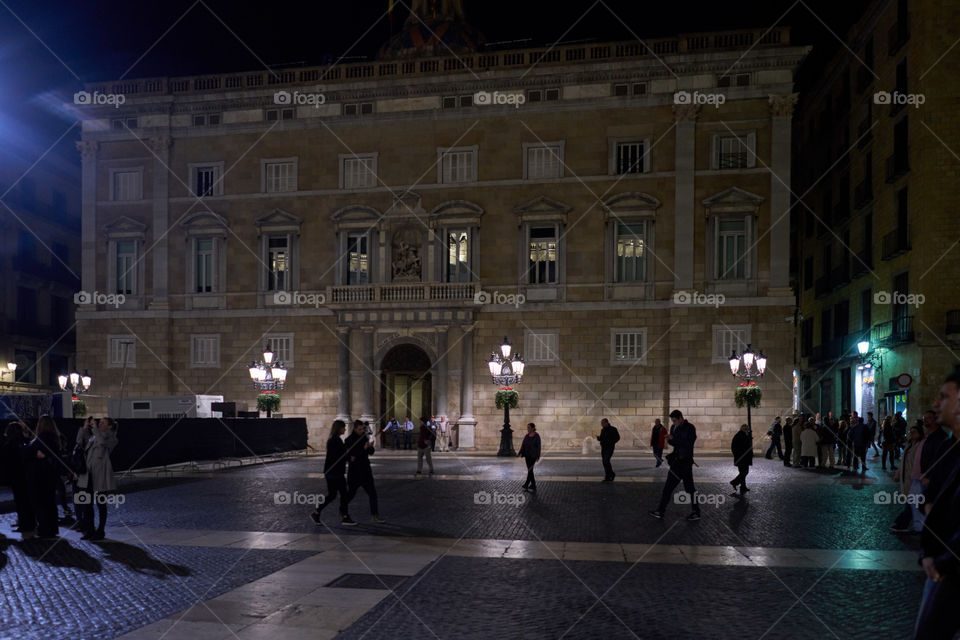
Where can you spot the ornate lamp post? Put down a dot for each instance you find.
(506, 369)
(748, 367)
(867, 359)
(268, 376)
(75, 383)
(11, 369)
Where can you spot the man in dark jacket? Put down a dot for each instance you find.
(900, 433)
(787, 441)
(940, 538)
(359, 474)
(775, 431)
(530, 452)
(334, 470)
(742, 449)
(609, 437)
(658, 438)
(682, 436)
(860, 439)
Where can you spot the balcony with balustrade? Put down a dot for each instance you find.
(386, 294)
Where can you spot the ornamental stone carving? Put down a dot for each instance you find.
(782, 106)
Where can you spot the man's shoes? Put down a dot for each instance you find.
(378, 519)
(693, 517)
(735, 494)
(900, 529)
(743, 489)
(733, 483)
(866, 468)
(659, 464)
(347, 521)
(893, 468)
(607, 480)
(97, 535)
(656, 514)
(316, 519)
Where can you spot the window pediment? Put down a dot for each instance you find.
(456, 212)
(542, 208)
(205, 222)
(279, 220)
(733, 200)
(355, 216)
(125, 227)
(630, 203)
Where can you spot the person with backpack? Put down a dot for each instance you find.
(609, 437)
(658, 440)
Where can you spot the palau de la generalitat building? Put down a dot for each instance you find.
(619, 211)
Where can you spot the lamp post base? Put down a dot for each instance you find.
(506, 442)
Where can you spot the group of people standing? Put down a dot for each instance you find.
(401, 434)
(38, 464)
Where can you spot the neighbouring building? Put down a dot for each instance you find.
(876, 166)
(620, 211)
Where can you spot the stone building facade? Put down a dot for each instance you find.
(618, 211)
(874, 234)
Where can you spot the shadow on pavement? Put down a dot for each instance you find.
(58, 552)
(139, 559)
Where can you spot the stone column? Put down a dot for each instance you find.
(467, 423)
(781, 115)
(366, 357)
(161, 220)
(343, 375)
(440, 372)
(684, 225)
(88, 215)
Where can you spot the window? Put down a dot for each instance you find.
(729, 338)
(358, 109)
(457, 165)
(825, 326)
(26, 308)
(458, 256)
(207, 179)
(205, 350)
(542, 160)
(358, 171)
(206, 119)
(205, 272)
(731, 249)
(543, 255)
(542, 95)
(631, 257)
(806, 336)
(278, 263)
(358, 260)
(452, 102)
(631, 89)
(735, 151)
(279, 176)
(866, 309)
(735, 80)
(117, 346)
(126, 267)
(272, 115)
(282, 346)
(630, 156)
(807, 273)
(26, 248)
(123, 123)
(126, 184)
(26, 366)
(541, 347)
(628, 346)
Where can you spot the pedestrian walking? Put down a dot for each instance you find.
(808, 445)
(100, 480)
(530, 452)
(860, 439)
(658, 440)
(15, 476)
(682, 437)
(889, 443)
(408, 433)
(775, 432)
(742, 448)
(787, 441)
(425, 442)
(872, 427)
(609, 437)
(334, 472)
(359, 473)
(937, 617)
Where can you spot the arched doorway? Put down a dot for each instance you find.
(405, 384)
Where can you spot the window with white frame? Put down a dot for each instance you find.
(628, 346)
(272, 115)
(358, 171)
(279, 176)
(630, 156)
(119, 346)
(735, 151)
(458, 255)
(205, 262)
(126, 184)
(207, 179)
(282, 346)
(542, 242)
(358, 259)
(278, 262)
(126, 267)
(729, 338)
(731, 248)
(541, 347)
(542, 160)
(457, 164)
(630, 254)
(205, 350)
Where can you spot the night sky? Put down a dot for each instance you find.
(47, 49)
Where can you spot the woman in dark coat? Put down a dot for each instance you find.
(334, 470)
(742, 448)
(359, 474)
(15, 475)
(45, 464)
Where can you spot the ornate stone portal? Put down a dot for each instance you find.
(406, 262)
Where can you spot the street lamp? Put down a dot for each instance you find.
(506, 369)
(268, 375)
(867, 359)
(11, 369)
(748, 367)
(75, 383)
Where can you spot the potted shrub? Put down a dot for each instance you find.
(268, 401)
